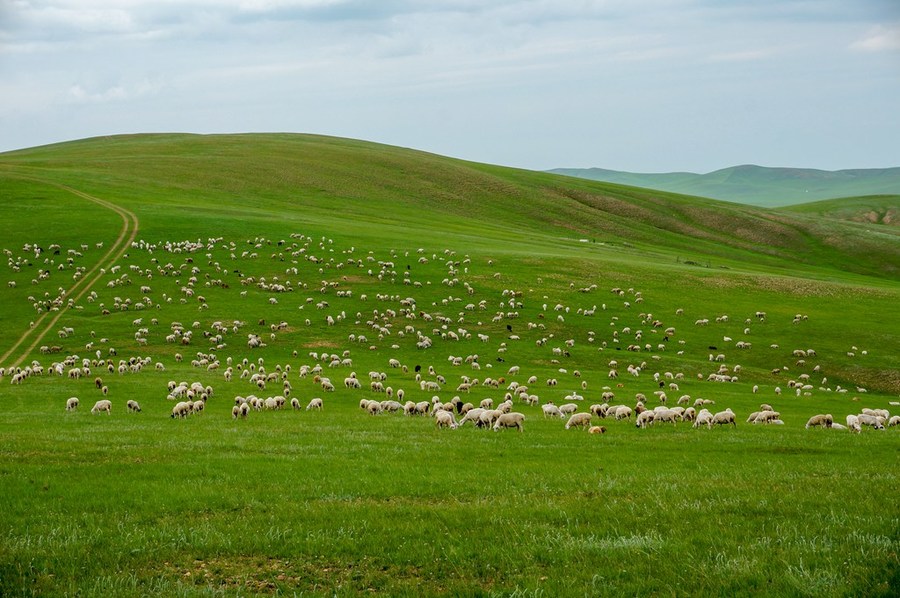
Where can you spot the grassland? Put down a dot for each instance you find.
(758, 185)
(340, 502)
(867, 210)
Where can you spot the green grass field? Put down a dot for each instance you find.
(519, 267)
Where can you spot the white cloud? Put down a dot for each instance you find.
(881, 38)
(82, 94)
(614, 83)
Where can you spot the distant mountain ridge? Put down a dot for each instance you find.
(757, 185)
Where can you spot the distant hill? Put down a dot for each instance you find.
(871, 209)
(757, 185)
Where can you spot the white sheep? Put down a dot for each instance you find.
(894, 421)
(133, 406)
(488, 417)
(765, 417)
(580, 420)
(704, 418)
(853, 424)
(622, 412)
(444, 419)
(568, 408)
(472, 415)
(873, 421)
(667, 415)
(644, 419)
(295, 404)
(315, 403)
(724, 417)
(102, 405)
(551, 410)
(513, 419)
(181, 409)
(824, 420)
(72, 404)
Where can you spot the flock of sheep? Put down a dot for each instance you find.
(313, 275)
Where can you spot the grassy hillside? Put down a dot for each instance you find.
(148, 261)
(871, 209)
(757, 185)
(326, 176)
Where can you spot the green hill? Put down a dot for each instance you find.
(872, 209)
(757, 185)
(226, 282)
(328, 178)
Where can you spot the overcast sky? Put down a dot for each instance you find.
(639, 85)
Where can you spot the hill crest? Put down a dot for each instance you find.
(757, 185)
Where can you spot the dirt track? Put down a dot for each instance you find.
(42, 326)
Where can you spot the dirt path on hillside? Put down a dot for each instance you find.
(42, 326)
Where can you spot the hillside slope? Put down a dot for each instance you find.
(757, 185)
(355, 183)
(871, 209)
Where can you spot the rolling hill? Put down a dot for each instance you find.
(757, 185)
(871, 209)
(354, 181)
(221, 283)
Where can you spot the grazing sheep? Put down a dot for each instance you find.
(102, 405)
(132, 406)
(644, 419)
(622, 412)
(568, 408)
(245, 410)
(374, 408)
(667, 415)
(597, 430)
(444, 419)
(551, 410)
(599, 410)
(235, 412)
(723, 418)
(181, 409)
(704, 418)
(295, 404)
(472, 415)
(513, 419)
(894, 421)
(882, 413)
(853, 424)
(824, 420)
(580, 420)
(72, 404)
(487, 404)
(488, 417)
(870, 420)
(765, 417)
(314, 404)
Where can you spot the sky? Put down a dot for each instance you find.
(637, 85)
